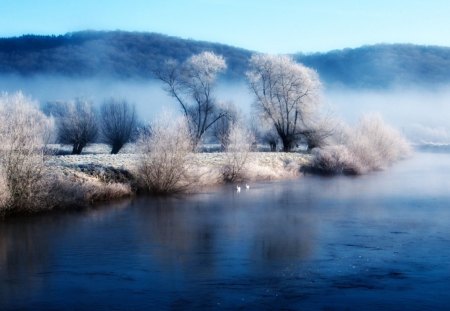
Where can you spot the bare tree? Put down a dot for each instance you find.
(163, 168)
(191, 84)
(118, 123)
(286, 95)
(78, 125)
(23, 132)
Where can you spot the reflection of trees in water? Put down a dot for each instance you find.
(197, 234)
(282, 236)
(285, 226)
(179, 233)
(30, 244)
(25, 250)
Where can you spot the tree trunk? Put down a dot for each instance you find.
(288, 144)
(77, 148)
(116, 148)
(273, 146)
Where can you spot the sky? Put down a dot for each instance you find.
(270, 26)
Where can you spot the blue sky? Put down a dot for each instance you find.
(282, 26)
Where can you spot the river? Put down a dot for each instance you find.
(379, 241)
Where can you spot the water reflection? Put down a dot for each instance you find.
(199, 233)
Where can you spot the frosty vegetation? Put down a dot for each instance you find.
(165, 150)
(286, 95)
(166, 156)
(369, 146)
(239, 143)
(191, 84)
(23, 133)
(118, 123)
(77, 125)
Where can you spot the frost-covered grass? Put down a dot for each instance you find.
(208, 166)
(78, 180)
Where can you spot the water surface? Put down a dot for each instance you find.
(380, 241)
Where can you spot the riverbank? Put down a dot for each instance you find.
(99, 177)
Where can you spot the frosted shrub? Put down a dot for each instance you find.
(378, 144)
(163, 167)
(335, 160)
(23, 132)
(371, 145)
(239, 145)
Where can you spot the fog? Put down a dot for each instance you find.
(421, 114)
(148, 96)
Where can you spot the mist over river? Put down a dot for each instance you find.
(379, 241)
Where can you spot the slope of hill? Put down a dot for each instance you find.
(133, 55)
(117, 54)
(382, 65)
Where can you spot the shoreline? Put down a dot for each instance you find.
(90, 179)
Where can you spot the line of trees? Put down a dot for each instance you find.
(78, 123)
(286, 97)
(286, 105)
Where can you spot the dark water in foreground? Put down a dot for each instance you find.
(380, 241)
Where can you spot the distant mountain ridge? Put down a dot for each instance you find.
(133, 55)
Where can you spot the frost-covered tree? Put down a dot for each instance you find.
(117, 123)
(23, 134)
(77, 125)
(286, 95)
(191, 84)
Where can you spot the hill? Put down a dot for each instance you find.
(94, 53)
(133, 55)
(382, 65)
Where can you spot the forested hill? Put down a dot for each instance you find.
(117, 53)
(382, 65)
(133, 55)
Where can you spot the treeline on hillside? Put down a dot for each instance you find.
(126, 55)
(115, 54)
(382, 65)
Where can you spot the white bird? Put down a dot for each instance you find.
(238, 189)
(247, 186)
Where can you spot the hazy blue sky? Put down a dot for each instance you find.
(264, 25)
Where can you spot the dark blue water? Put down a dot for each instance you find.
(380, 241)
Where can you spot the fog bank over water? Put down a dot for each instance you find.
(421, 114)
